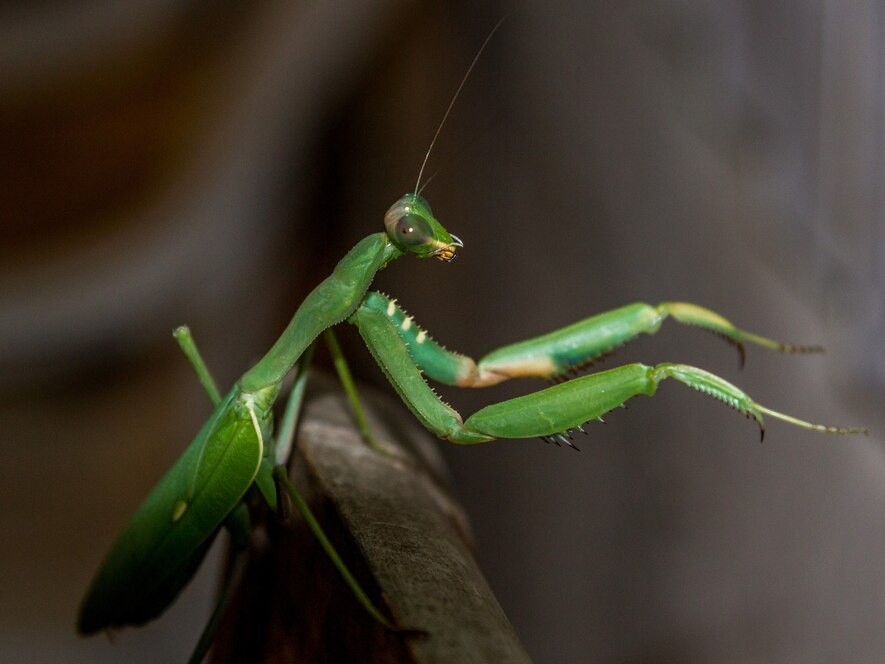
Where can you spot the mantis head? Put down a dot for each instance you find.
(411, 226)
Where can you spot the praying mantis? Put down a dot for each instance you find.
(167, 537)
(235, 450)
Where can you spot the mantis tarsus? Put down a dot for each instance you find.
(165, 542)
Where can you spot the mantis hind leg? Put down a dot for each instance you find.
(282, 477)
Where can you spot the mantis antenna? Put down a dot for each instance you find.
(452, 103)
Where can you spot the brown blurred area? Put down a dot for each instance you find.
(168, 163)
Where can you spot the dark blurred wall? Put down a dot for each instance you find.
(209, 166)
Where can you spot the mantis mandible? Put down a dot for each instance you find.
(163, 545)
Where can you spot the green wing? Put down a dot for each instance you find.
(161, 548)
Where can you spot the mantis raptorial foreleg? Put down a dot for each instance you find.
(561, 353)
(552, 412)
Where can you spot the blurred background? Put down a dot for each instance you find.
(208, 163)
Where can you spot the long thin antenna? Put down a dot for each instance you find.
(452, 103)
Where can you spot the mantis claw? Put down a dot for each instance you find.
(738, 345)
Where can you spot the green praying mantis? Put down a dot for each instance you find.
(235, 450)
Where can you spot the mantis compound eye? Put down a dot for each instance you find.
(411, 232)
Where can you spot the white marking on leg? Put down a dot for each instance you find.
(391, 308)
(406, 324)
(422, 335)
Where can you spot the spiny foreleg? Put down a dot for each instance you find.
(392, 355)
(549, 412)
(560, 354)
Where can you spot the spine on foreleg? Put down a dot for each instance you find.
(439, 363)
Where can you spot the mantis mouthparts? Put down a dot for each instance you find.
(447, 253)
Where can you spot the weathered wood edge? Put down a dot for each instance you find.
(411, 532)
